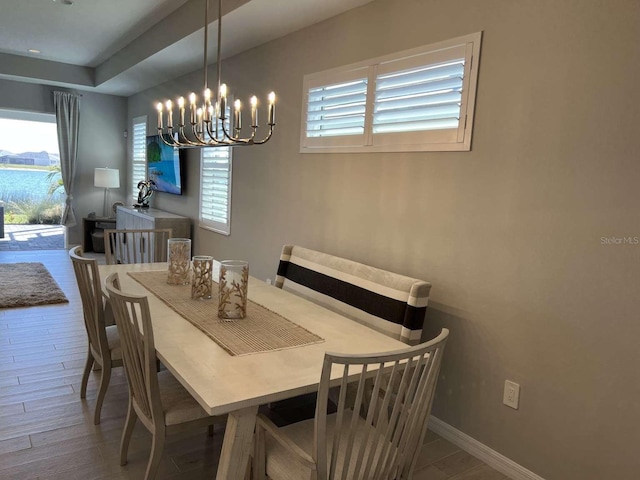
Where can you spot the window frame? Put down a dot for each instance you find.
(133, 185)
(458, 139)
(218, 227)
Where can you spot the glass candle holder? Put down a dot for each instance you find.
(232, 289)
(201, 280)
(179, 259)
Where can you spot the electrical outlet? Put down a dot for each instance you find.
(511, 394)
(269, 281)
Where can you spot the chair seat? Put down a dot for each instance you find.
(282, 465)
(178, 404)
(113, 339)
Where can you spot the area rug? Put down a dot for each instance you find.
(28, 284)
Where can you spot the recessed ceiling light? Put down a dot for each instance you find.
(33, 50)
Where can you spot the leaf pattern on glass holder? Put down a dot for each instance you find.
(241, 292)
(233, 296)
(179, 262)
(202, 278)
(224, 298)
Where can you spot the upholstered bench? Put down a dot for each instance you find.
(388, 302)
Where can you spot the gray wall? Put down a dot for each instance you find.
(101, 141)
(510, 234)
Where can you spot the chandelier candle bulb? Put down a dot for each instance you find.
(181, 107)
(254, 111)
(237, 118)
(159, 108)
(223, 100)
(192, 108)
(272, 108)
(207, 104)
(199, 124)
(169, 114)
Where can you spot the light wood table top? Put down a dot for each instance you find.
(237, 385)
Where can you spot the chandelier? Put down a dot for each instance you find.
(211, 126)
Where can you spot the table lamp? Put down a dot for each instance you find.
(106, 178)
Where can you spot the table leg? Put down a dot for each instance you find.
(237, 444)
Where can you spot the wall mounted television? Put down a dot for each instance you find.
(165, 166)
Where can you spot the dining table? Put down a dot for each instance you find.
(236, 385)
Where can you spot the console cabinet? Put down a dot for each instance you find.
(129, 218)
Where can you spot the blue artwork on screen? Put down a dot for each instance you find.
(164, 166)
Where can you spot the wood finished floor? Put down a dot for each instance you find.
(47, 432)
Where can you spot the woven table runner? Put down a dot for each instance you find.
(261, 331)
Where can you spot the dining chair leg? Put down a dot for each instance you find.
(157, 446)
(129, 424)
(85, 374)
(104, 383)
(211, 430)
(259, 467)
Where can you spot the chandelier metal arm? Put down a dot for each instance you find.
(267, 138)
(231, 138)
(186, 139)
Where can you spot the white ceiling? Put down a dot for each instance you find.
(124, 46)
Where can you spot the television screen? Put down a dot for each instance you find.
(164, 166)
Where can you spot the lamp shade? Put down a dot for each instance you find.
(106, 178)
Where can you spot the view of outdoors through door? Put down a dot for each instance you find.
(31, 191)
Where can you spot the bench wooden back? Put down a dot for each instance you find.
(391, 303)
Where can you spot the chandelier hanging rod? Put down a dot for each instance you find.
(210, 125)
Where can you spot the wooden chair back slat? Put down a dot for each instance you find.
(354, 420)
(365, 455)
(396, 427)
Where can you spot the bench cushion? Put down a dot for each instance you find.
(391, 303)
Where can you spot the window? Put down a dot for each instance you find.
(215, 183)
(215, 189)
(30, 178)
(139, 154)
(417, 100)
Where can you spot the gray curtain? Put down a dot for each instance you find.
(67, 106)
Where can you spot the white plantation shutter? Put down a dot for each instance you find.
(215, 186)
(139, 155)
(337, 109)
(417, 100)
(215, 189)
(425, 98)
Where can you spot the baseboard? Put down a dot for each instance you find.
(492, 458)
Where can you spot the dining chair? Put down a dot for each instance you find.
(104, 342)
(376, 437)
(160, 402)
(136, 246)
